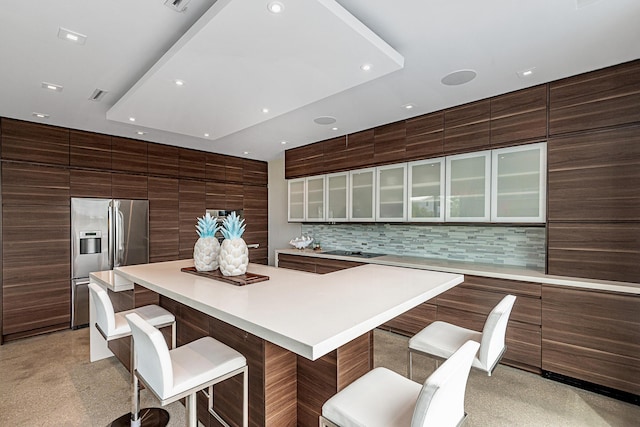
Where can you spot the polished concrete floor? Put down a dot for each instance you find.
(49, 381)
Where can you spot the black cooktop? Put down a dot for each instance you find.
(358, 254)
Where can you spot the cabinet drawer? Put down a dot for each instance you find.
(324, 265)
(413, 321)
(294, 262)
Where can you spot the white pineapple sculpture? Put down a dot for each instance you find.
(234, 254)
(207, 248)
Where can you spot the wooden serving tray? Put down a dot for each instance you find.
(241, 280)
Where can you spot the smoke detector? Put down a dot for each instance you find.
(177, 5)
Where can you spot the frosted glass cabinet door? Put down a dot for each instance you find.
(362, 194)
(426, 190)
(391, 195)
(337, 196)
(315, 198)
(519, 183)
(468, 187)
(296, 200)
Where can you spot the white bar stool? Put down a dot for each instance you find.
(383, 398)
(173, 374)
(112, 325)
(440, 340)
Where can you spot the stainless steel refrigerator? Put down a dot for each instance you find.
(105, 233)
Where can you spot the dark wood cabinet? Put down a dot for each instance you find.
(89, 150)
(305, 160)
(603, 98)
(233, 197)
(519, 117)
(192, 163)
(192, 197)
(163, 160)
(412, 321)
(128, 155)
(164, 219)
(215, 169)
(255, 172)
(233, 169)
(89, 183)
(595, 176)
(389, 143)
(596, 250)
(256, 216)
(592, 335)
(34, 142)
(335, 155)
(425, 137)
(360, 149)
(467, 128)
(313, 264)
(28, 184)
(128, 186)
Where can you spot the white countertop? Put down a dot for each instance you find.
(475, 269)
(111, 281)
(308, 314)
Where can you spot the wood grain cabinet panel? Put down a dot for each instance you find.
(33, 142)
(233, 196)
(300, 263)
(519, 117)
(360, 149)
(215, 169)
(89, 150)
(254, 172)
(389, 143)
(607, 251)
(593, 336)
(326, 265)
(163, 160)
(256, 215)
(87, 183)
(27, 184)
(603, 98)
(467, 128)
(335, 155)
(307, 160)
(413, 321)
(128, 155)
(595, 176)
(425, 137)
(216, 195)
(127, 186)
(192, 197)
(192, 163)
(164, 219)
(233, 169)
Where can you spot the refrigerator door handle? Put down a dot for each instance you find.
(119, 236)
(110, 236)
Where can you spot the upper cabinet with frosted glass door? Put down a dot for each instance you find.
(426, 190)
(337, 196)
(391, 184)
(362, 195)
(519, 183)
(468, 186)
(314, 187)
(296, 205)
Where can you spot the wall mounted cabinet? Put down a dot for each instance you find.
(425, 196)
(468, 186)
(296, 205)
(362, 195)
(518, 183)
(337, 196)
(314, 192)
(391, 193)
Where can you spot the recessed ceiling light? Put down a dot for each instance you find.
(325, 120)
(265, 110)
(283, 142)
(245, 152)
(365, 67)
(51, 87)
(179, 82)
(40, 115)
(132, 119)
(408, 106)
(459, 77)
(71, 36)
(334, 128)
(141, 132)
(275, 7)
(526, 73)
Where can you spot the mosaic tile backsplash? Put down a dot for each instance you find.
(517, 246)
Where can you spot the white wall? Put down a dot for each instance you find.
(280, 231)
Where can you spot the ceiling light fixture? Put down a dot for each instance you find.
(245, 153)
(265, 110)
(132, 119)
(366, 67)
(275, 7)
(179, 82)
(206, 135)
(52, 87)
(40, 115)
(526, 73)
(459, 77)
(334, 128)
(408, 106)
(141, 132)
(283, 142)
(71, 36)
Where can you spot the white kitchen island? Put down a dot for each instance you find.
(305, 336)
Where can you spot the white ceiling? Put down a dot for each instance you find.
(135, 49)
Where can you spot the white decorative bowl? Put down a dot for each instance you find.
(301, 242)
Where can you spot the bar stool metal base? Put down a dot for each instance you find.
(149, 417)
